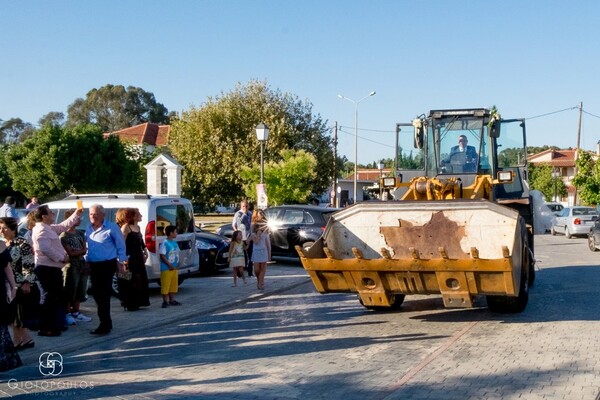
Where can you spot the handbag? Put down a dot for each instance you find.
(125, 275)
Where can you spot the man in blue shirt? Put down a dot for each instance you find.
(106, 254)
(241, 222)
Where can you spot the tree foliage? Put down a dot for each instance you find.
(288, 181)
(215, 141)
(112, 107)
(587, 179)
(52, 118)
(542, 180)
(5, 179)
(57, 160)
(15, 130)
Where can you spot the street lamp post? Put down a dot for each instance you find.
(356, 134)
(262, 134)
(555, 175)
(381, 166)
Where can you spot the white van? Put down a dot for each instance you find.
(157, 213)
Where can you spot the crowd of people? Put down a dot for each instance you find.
(250, 247)
(45, 276)
(46, 272)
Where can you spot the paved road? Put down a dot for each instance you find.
(292, 343)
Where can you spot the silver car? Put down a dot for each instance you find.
(575, 221)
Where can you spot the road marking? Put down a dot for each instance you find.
(415, 370)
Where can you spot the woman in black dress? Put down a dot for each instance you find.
(135, 291)
(9, 358)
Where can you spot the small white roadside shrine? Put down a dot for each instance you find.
(164, 176)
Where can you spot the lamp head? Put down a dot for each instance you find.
(262, 132)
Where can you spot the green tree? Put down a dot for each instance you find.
(288, 181)
(215, 141)
(587, 179)
(113, 107)
(541, 179)
(57, 160)
(52, 118)
(15, 130)
(5, 180)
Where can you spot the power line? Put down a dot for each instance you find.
(589, 113)
(364, 138)
(554, 112)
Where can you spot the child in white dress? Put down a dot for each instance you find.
(236, 257)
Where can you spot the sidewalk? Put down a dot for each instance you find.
(199, 295)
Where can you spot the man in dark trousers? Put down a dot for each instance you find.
(106, 254)
(241, 222)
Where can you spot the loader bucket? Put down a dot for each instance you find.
(383, 250)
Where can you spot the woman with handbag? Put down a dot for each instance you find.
(133, 287)
(9, 358)
(28, 292)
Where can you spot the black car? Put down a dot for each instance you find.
(290, 226)
(213, 251)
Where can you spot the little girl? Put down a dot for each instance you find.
(236, 257)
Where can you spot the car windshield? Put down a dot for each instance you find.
(584, 211)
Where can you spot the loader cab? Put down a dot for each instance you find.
(429, 147)
(458, 144)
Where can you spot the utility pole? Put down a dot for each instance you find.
(334, 201)
(577, 149)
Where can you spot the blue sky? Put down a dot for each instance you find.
(528, 58)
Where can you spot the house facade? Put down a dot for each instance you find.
(563, 163)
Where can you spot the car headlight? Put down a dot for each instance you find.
(202, 245)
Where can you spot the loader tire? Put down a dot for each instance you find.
(509, 304)
(396, 303)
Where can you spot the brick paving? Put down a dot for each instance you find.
(291, 343)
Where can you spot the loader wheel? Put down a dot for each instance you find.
(396, 303)
(591, 244)
(512, 305)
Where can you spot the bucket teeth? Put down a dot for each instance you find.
(385, 253)
(474, 253)
(443, 252)
(357, 253)
(415, 253)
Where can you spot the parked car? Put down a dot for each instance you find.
(290, 226)
(594, 237)
(575, 221)
(555, 207)
(225, 230)
(157, 212)
(213, 251)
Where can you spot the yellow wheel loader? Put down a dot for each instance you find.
(455, 219)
